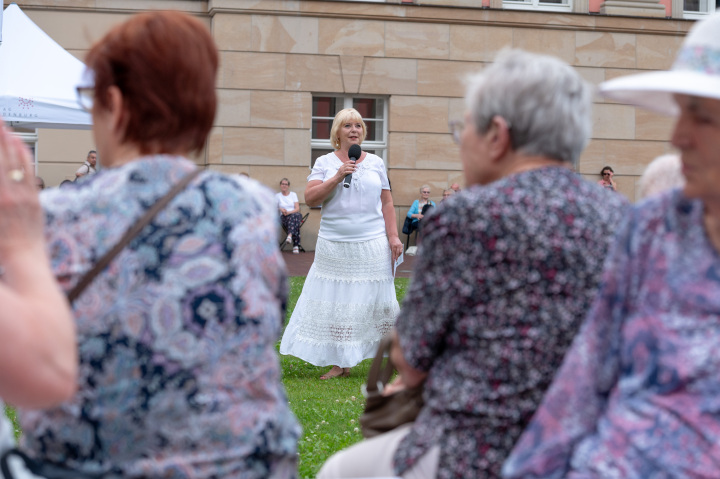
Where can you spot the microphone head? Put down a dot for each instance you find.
(354, 152)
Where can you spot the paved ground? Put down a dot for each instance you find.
(299, 264)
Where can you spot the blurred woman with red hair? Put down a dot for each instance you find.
(178, 372)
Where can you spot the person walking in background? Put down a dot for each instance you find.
(348, 302)
(505, 273)
(606, 179)
(87, 168)
(178, 371)
(289, 207)
(637, 395)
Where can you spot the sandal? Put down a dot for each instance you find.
(335, 372)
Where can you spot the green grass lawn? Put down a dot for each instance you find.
(328, 410)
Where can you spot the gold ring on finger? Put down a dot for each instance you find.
(16, 175)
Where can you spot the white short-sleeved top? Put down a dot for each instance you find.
(355, 213)
(287, 202)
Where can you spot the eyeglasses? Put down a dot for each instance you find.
(85, 97)
(456, 128)
(606, 174)
(425, 192)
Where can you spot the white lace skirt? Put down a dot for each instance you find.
(347, 304)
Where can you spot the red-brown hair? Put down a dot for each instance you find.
(165, 64)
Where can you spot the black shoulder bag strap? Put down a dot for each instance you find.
(131, 233)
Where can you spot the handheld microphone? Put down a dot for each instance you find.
(353, 153)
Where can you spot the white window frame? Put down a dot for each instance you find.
(30, 139)
(699, 15)
(381, 147)
(537, 5)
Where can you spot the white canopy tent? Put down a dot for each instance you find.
(37, 77)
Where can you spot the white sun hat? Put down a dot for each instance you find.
(696, 72)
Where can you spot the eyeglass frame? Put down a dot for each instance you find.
(457, 126)
(85, 95)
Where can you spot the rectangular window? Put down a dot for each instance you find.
(698, 8)
(544, 5)
(373, 111)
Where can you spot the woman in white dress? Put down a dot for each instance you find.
(348, 302)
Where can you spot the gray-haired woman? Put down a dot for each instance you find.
(505, 273)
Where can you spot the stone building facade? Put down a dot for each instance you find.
(287, 65)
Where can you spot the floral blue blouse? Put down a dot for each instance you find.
(504, 276)
(178, 371)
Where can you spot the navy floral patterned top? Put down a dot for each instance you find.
(504, 276)
(178, 372)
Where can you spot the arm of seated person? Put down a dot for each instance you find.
(410, 377)
(38, 357)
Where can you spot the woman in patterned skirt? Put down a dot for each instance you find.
(504, 275)
(348, 301)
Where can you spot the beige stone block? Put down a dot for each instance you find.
(558, 43)
(232, 32)
(297, 148)
(631, 157)
(406, 186)
(417, 40)
(419, 114)
(612, 73)
(539, 19)
(64, 146)
(657, 52)
(598, 49)
(230, 169)
(444, 78)
(351, 37)
(653, 126)
(594, 76)
(313, 73)
(352, 69)
(251, 70)
(626, 186)
(233, 108)
(437, 152)
(75, 30)
(285, 34)
(278, 109)
(456, 110)
(190, 6)
(253, 146)
(389, 76)
(214, 149)
(478, 43)
(641, 24)
(613, 121)
(402, 150)
(593, 155)
(633, 9)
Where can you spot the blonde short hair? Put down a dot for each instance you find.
(423, 187)
(342, 117)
